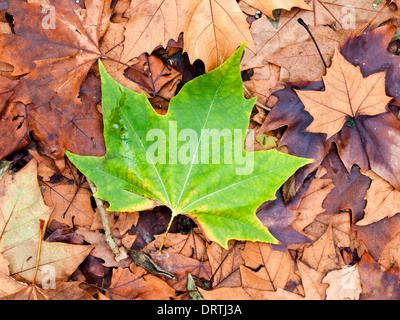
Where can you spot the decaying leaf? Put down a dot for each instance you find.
(382, 200)
(347, 95)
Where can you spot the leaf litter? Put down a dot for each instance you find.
(334, 243)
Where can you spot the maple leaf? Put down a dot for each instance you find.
(21, 207)
(347, 94)
(225, 264)
(322, 255)
(152, 25)
(215, 31)
(377, 235)
(180, 186)
(52, 72)
(289, 111)
(273, 267)
(135, 282)
(382, 200)
(350, 187)
(369, 52)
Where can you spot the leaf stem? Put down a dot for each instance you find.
(301, 21)
(174, 214)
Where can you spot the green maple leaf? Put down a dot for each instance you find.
(165, 160)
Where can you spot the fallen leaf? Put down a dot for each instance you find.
(191, 245)
(269, 39)
(344, 284)
(152, 25)
(303, 61)
(180, 265)
(273, 268)
(314, 289)
(347, 95)
(214, 32)
(183, 194)
(369, 52)
(322, 255)
(377, 235)
(225, 264)
(311, 204)
(136, 283)
(289, 111)
(53, 72)
(341, 228)
(21, 208)
(382, 200)
(376, 284)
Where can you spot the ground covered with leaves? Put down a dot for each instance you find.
(319, 229)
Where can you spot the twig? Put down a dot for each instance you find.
(376, 16)
(119, 252)
(257, 103)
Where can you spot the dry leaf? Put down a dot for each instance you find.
(267, 6)
(322, 255)
(344, 284)
(383, 200)
(347, 94)
(216, 29)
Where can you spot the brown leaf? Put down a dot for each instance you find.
(191, 245)
(269, 39)
(267, 6)
(383, 200)
(376, 284)
(215, 30)
(322, 254)
(311, 204)
(225, 264)
(369, 52)
(347, 94)
(152, 25)
(273, 267)
(53, 72)
(303, 61)
(344, 284)
(136, 283)
(180, 265)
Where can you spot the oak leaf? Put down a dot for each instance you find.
(347, 94)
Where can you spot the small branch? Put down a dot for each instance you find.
(257, 103)
(120, 253)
